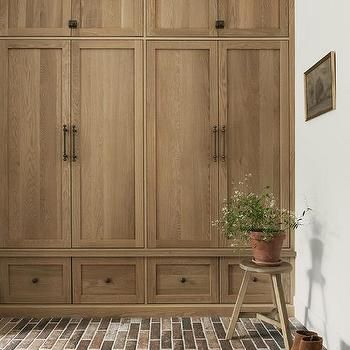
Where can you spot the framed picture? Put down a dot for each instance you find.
(320, 87)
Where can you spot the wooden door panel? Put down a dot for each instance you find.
(181, 17)
(35, 280)
(35, 181)
(254, 17)
(259, 287)
(108, 173)
(183, 280)
(181, 175)
(108, 280)
(254, 110)
(35, 17)
(108, 17)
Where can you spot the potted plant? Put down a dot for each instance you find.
(255, 218)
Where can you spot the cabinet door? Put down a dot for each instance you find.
(108, 144)
(259, 286)
(108, 280)
(254, 109)
(35, 280)
(35, 17)
(34, 178)
(182, 176)
(181, 17)
(108, 17)
(183, 280)
(254, 17)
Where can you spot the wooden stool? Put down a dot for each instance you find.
(280, 309)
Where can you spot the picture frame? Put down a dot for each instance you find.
(320, 87)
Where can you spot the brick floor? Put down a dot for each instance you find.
(137, 333)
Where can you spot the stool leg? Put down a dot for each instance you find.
(237, 308)
(282, 310)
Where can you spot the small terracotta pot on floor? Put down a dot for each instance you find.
(267, 253)
(311, 343)
(299, 335)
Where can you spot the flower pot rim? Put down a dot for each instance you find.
(280, 234)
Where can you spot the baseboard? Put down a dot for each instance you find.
(149, 310)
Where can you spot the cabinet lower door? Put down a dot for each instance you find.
(107, 144)
(182, 174)
(254, 17)
(35, 17)
(254, 117)
(108, 17)
(34, 176)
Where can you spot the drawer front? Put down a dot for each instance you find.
(108, 280)
(35, 280)
(259, 287)
(183, 280)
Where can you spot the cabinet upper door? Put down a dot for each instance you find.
(254, 17)
(181, 17)
(182, 176)
(34, 178)
(108, 143)
(254, 109)
(35, 17)
(108, 17)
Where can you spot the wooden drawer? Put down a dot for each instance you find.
(259, 288)
(108, 280)
(183, 280)
(35, 280)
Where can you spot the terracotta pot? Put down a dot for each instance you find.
(268, 253)
(299, 335)
(311, 343)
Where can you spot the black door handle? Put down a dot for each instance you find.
(65, 133)
(75, 132)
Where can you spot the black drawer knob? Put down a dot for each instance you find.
(73, 23)
(255, 279)
(108, 280)
(220, 24)
(35, 280)
(183, 280)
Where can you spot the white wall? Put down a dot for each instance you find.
(323, 177)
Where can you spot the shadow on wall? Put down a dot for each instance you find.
(315, 276)
(344, 346)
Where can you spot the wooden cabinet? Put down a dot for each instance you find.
(183, 280)
(259, 287)
(122, 126)
(182, 175)
(35, 17)
(107, 169)
(108, 17)
(240, 18)
(181, 17)
(254, 112)
(35, 280)
(254, 17)
(51, 17)
(108, 280)
(34, 178)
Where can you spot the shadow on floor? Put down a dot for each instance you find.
(315, 276)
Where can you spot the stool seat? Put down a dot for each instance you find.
(280, 316)
(249, 265)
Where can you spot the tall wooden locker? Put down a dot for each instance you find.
(182, 119)
(34, 175)
(107, 144)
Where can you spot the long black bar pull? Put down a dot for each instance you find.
(65, 133)
(223, 153)
(74, 131)
(215, 132)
